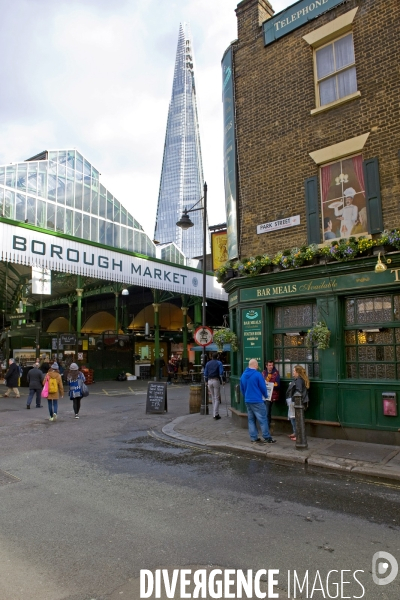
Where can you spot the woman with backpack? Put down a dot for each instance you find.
(75, 380)
(55, 390)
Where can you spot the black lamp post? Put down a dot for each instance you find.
(185, 223)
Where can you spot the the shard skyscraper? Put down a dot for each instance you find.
(181, 184)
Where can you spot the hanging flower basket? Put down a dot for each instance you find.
(318, 336)
(225, 336)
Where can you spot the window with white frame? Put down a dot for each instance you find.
(335, 70)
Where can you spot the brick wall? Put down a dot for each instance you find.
(274, 88)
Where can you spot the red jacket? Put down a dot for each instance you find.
(274, 378)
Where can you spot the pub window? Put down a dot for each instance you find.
(372, 337)
(290, 327)
(335, 70)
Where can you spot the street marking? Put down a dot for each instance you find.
(128, 392)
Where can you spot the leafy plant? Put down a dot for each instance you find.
(277, 258)
(345, 249)
(364, 244)
(297, 257)
(225, 336)
(394, 238)
(319, 335)
(310, 252)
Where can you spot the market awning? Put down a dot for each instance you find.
(211, 348)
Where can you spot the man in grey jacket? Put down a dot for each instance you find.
(35, 382)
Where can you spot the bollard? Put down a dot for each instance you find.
(301, 437)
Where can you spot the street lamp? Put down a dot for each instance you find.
(185, 223)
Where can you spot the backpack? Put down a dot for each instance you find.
(53, 387)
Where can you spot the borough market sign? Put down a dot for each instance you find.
(35, 248)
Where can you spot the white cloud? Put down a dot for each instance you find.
(98, 76)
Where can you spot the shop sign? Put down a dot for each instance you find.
(356, 281)
(34, 248)
(278, 224)
(295, 16)
(233, 299)
(252, 335)
(67, 339)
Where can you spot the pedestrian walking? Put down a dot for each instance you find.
(75, 380)
(213, 376)
(35, 383)
(12, 379)
(170, 371)
(44, 365)
(301, 384)
(254, 390)
(56, 390)
(271, 375)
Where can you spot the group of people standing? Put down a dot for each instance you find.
(44, 382)
(259, 401)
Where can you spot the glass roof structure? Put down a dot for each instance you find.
(59, 190)
(182, 180)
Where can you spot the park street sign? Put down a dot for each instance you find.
(278, 224)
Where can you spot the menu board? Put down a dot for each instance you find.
(252, 328)
(156, 401)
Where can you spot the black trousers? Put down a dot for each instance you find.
(77, 404)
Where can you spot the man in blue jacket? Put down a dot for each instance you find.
(253, 388)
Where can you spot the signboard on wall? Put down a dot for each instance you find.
(219, 248)
(322, 285)
(47, 252)
(229, 153)
(295, 16)
(278, 224)
(252, 335)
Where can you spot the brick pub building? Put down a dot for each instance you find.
(312, 156)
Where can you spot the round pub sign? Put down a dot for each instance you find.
(203, 336)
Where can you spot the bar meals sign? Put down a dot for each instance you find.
(278, 224)
(295, 16)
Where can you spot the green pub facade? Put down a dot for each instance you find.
(352, 379)
(312, 160)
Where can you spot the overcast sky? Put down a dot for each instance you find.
(96, 75)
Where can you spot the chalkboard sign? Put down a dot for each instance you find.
(156, 401)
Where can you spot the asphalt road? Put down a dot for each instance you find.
(86, 504)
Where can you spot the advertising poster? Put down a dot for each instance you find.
(219, 249)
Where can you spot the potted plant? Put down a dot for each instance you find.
(324, 254)
(220, 273)
(365, 246)
(296, 257)
(225, 336)
(310, 254)
(346, 249)
(276, 261)
(266, 264)
(251, 266)
(319, 336)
